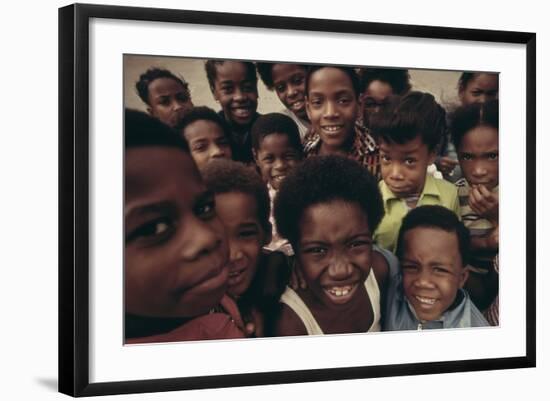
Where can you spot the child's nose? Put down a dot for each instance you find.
(331, 110)
(423, 280)
(339, 268)
(216, 151)
(396, 173)
(203, 239)
(480, 170)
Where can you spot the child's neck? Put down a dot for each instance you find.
(329, 150)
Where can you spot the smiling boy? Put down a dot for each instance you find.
(433, 251)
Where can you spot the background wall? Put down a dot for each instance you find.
(442, 84)
(28, 212)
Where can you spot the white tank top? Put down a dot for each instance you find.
(294, 302)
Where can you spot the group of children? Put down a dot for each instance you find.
(326, 217)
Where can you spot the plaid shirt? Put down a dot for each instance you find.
(363, 149)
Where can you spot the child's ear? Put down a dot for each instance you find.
(150, 111)
(255, 155)
(464, 274)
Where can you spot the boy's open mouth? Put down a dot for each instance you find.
(236, 277)
(332, 129)
(340, 294)
(297, 105)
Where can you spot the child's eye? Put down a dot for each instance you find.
(206, 210)
(248, 233)
(408, 268)
(227, 89)
(154, 230)
(280, 88)
(440, 270)
(385, 158)
(465, 156)
(291, 156)
(493, 156)
(268, 159)
(410, 161)
(248, 87)
(199, 147)
(315, 102)
(344, 100)
(359, 244)
(316, 251)
(298, 79)
(476, 93)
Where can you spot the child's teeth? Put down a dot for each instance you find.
(340, 291)
(429, 301)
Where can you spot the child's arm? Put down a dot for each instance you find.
(289, 324)
(489, 241)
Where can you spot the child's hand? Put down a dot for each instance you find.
(484, 202)
(446, 165)
(297, 279)
(255, 327)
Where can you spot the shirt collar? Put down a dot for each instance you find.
(430, 189)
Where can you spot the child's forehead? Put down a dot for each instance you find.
(232, 70)
(409, 146)
(330, 75)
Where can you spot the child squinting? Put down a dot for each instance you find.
(328, 208)
(433, 250)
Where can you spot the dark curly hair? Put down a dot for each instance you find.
(145, 79)
(141, 129)
(435, 216)
(405, 118)
(473, 115)
(210, 66)
(398, 79)
(265, 72)
(322, 179)
(349, 71)
(466, 77)
(223, 176)
(275, 123)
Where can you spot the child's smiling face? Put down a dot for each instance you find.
(404, 166)
(289, 84)
(175, 247)
(275, 158)
(236, 91)
(238, 212)
(432, 270)
(207, 142)
(480, 89)
(478, 156)
(332, 106)
(169, 101)
(334, 250)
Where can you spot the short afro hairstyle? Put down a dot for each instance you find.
(406, 117)
(349, 71)
(205, 113)
(210, 66)
(323, 179)
(140, 129)
(399, 80)
(272, 123)
(225, 176)
(438, 217)
(468, 117)
(265, 72)
(145, 79)
(466, 77)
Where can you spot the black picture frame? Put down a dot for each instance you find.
(74, 192)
